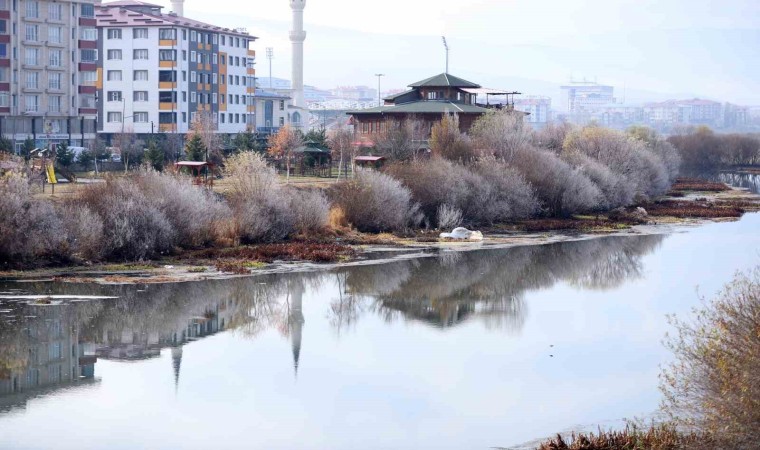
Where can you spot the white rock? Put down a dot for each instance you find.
(464, 234)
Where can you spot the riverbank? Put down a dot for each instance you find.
(691, 202)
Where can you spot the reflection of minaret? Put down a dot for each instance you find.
(297, 37)
(295, 322)
(176, 362)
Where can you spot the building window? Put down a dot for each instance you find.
(114, 55)
(223, 59)
(114, 96)
(167, 117)
(282, 121)
(184, 96)
(184, 34)
(193, 76)
(184, 117)
(167, 34)
(214, 78)
(184, 75)
(89, 34)
(192, 97)
(192, 56)
(141, 117)
(54, 35)
(140, 33)
(54, 350)
(54, 103)
(140, 96)
(88, 78)
(32, 9)
(55, 57)
(221, 117)
(55, 11)
(165, 76)
(114, 33)
(141, 75)
(192, 35)
(32, 56)
(54, 80)
(33, 80)
(213, 98)
(215, 58)
(184, 55)
(32, 32)
(224, 40)
(88, 55)
(282, 105)
(5, 99)
(167, 55)
(114, 117)
(87, 10)
(113, 75)
(32, 103)
(140, 54)
(167, 97)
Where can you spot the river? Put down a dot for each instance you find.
(477, 349)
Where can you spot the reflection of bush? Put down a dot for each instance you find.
(490, 284)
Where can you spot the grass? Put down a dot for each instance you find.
(585, 224)
(197, 269)
(127, 267)
(694, 209)
(657, 437)
(289, 251)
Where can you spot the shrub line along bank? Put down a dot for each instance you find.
(555, 172)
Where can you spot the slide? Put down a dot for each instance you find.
(50, 172)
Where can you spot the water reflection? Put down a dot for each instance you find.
(53, 346)
(743, 180)
(489, 285)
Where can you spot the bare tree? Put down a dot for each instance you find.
(283, 144)
(127, 143)
(341, 142)
(502, 134)
(205, 127)
(446, 141)
(395, 141)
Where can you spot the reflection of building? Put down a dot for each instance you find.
(48, 354)
(158, 70)
(48, 63)
(296, 321)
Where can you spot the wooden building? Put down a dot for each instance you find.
(427, 101)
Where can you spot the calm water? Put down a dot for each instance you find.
(457, 350)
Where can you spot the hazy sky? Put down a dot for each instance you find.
(671, 47)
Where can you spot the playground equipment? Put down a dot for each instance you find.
(201, 171)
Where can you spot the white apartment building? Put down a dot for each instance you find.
(272, 111)
(583, 97)
(48, 63)
(538, 108)
(159, 70)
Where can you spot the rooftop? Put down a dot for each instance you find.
(424, 107)
(444, 80)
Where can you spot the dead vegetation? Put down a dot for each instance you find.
(657, 437)
(699, 185)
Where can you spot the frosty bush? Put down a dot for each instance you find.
(193, 212)
(259, 204)
(616, 189)
(84, 231)
(561, 189)
(501, 134)
(310, 208)
(511, 196)
(29, 227)
(135, 228)
(375, 202)
(449, 217)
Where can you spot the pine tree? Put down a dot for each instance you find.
(194, 149)
(155, 156)
(85, 158)
(63, 155)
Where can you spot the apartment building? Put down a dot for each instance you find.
(159, 70)
(48, 63)
(537, 107)
(585, 96)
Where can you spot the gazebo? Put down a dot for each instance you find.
(199, 170)
(313, 159)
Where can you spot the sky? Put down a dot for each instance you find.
(647, 49)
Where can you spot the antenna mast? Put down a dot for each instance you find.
(446, 46)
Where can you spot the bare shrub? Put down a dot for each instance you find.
(502, 134)
(512, 197)
(616, 189)
(396, 141)
(310, 208)
(192, 211)
(260, 205)
(449, 217)
(135, 228)
(28, 227)
(552, 136)
(375, 202)
(84, 230)
(714, 383)
(561, 189)
(446, 141)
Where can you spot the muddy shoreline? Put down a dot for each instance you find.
(682, 209)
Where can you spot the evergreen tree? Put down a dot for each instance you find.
(318, 137)
(85, 158)
(155, 156)
(6, 146)
(195, 150)
(63, 155)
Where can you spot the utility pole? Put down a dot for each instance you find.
(270, 56)
(379, 75)
(446, 46)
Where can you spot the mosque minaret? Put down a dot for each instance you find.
(297, 37)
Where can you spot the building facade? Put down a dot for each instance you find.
(538, 109)
(273, 111)
(48, 64)
(586, 96)
(159, 71)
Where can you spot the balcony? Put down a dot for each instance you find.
(84, 89)
(88, 22)
(167, 127)
(5, 62)
(88, 111)
(5, 109)
(167, 106)
(88, 44)
(5, 38)
(167, 42)
(165, 64)
(167, 85)
(89, 66)
(5, 87)
(5, 14)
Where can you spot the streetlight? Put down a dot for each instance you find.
(379, 75)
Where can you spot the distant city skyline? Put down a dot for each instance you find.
(653, 50)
